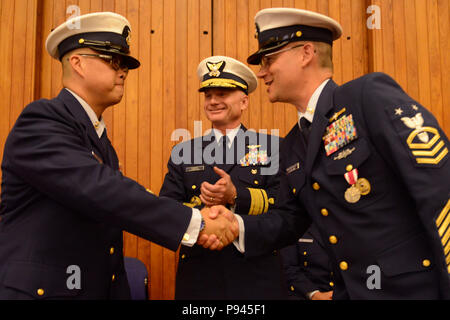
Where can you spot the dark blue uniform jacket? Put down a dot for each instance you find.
(64, 204)
(401, 225)
(227, 274)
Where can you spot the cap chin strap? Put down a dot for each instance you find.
(102, 44)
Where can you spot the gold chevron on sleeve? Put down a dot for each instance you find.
(442, 223)
(259, 201)
(433, 160)
(431, 153)
(424, 146)
(420, 133)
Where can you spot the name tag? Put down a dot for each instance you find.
(196, 168)
(306, 240)
(293, 168)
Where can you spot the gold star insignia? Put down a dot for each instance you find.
(398, 112)
(414, 107)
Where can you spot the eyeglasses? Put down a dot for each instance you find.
(115, 61)
(266, 60)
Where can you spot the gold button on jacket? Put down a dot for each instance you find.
(343, 265)
(333, 239)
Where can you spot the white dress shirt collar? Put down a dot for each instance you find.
(231, 134)
(99, 125)
(312, 104)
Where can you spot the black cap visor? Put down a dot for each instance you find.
(129, 61)
(255, 58)
(107, 42)
(274, 39)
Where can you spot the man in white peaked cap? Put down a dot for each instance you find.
(64, 202)
(367, 163)
(232, 174)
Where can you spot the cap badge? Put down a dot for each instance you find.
(215, 68)
(126, 33)
(256, 31)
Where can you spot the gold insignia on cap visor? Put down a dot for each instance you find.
(225, 72)
(226, 83)
(215, 68)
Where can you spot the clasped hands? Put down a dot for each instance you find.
(221, 226)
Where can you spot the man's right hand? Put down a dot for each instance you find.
(328, 295)
(221, 228)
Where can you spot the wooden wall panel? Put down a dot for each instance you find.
(171, 37)
(412, 46)
(18, 20)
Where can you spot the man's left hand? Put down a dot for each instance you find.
(223, 192)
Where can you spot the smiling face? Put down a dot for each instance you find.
(224, 107)
(281, 72)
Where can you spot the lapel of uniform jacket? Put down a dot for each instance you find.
(298, 146)
(319, 124)
(209, 174)
(234, 147)
(77, 110)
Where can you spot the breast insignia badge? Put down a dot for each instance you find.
(254, 157)
(358, 186)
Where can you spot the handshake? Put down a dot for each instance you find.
(221, 228)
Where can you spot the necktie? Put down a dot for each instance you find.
(223, 142)
(106, 145)
(306, 128)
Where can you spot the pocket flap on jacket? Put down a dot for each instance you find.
(412, 255)
(354, 153)
(40, 281)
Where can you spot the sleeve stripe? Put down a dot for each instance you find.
(266, 201)
(259, 201)
(443, 214)
(253, 198)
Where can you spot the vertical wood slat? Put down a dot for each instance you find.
(130, 101)
(206, 48)
(254, 112)
(144, 122)
(6, 38)
(444, 31)
(169, 117)
(17, 60)
(156, 115)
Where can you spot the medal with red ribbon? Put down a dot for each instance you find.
(358, 186)
(352, 194)
(351, 176)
